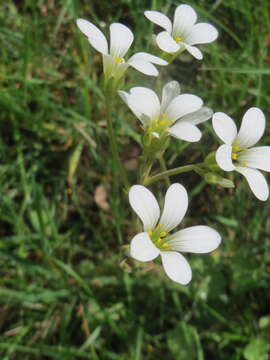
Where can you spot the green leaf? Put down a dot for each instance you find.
(257, 349)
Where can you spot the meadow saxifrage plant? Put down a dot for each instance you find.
(177, 115)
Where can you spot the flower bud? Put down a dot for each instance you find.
(212, 178)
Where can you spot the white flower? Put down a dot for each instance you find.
(183, 34)
(121, 38)
(156, 240)
(161, 117)
(238, 154)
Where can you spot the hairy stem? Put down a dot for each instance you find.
(168, 173)
(164, 169)
(145, 168)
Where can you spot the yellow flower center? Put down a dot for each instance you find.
(161, 124)
(158, 236)
(178, 39)
(119, 60)
(237, 151)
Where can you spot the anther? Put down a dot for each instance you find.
(119, 60)
(165, 245)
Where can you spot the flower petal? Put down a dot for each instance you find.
(224, 127)
(201, 33)
(145, 206)
(166, 43)
(182, 105)
(121, 38)
(176, 267)
(94, 35)
(108, 65)
(257, 158)
(145, 101)
(195, 239)
(184, 18)
(155, 134)
(160, 19)
(150, 58)
(224, 157)
(194, 51)
(125, 97)
(252, 127)
(143, 66)
(145, 120)
(185, 131)
(199, 116)
(256, 182)
(142, 248)
(169, 92)
(175, 206)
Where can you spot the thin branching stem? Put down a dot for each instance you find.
(168, 173)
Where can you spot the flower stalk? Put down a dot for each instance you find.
(171, 172)
(114, 147)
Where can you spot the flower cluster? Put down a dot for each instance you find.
(177, 115)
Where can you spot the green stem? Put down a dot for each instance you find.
(117, 165)
(145, 168)
(164, 169)
(168, 173)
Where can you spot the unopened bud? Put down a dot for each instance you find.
(210, 159)
(212, 178)
(226, 183)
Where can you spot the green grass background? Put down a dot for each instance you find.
(66, 292)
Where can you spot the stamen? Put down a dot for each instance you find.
(158, 236)
(119, 60)
(236, 148)
(234, 156)
(165, 245)
(163, 122)
(178, 39)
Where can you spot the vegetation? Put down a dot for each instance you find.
(68, 290)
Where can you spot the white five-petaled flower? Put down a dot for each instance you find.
(156, 240)
(238, 154)
(121, 38)
(176, 114)
(183, 34)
